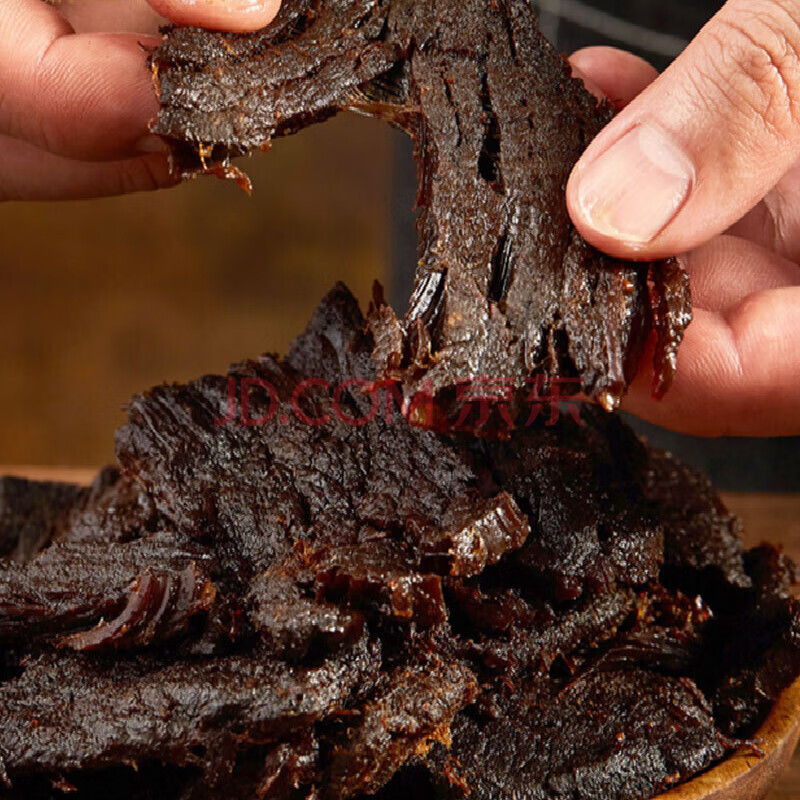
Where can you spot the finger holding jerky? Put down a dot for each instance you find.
(77, 96)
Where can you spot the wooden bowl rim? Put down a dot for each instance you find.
(781, 725)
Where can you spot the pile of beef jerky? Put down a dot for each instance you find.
(315, 607)
(331, 602)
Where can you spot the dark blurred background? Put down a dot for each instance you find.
(101, 299)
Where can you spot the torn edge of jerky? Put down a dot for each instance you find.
(505, 286)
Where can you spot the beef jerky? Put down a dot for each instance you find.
(672, 315)
(412, 708)
(33, 513)
(667, 651)
(259, 492)
(255, 490)
(72, 712)
(590, 528)
(293, 623)
(473, 535)
(114, 508)
(339, 592)
(667, 634)
(700, 534)
(381, 575)
(99, 596)
(158, 608)
(513, 637)
(754, 654)
(505, 285)
(288, 766)
(29, 511)
(274, 775)
(624, 734)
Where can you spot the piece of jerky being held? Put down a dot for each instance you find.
(505, 287)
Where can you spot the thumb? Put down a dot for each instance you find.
(703, 144)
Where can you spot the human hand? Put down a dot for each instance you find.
(705, 160)
(76, 95)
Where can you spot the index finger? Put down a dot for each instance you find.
(85, 96)
(228, 15)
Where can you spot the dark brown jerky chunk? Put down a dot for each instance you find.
(756, 650)
(411, 708)
(307, 472)
(345, 586)
(287, 767)
(505, 285)
(700, 534)
(158, 608)
(206, 480)
(382, 575)
(473, 535)
(275, 775)
(73, 712)
(115, 508)
(512, 636)
(590, 525)
(672, 314)
(291, 622)
(29, 511)
(148, 589)
(624, 735)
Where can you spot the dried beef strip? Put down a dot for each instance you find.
(277, 774)
(412, 708)
(72, 712)
(590, 525)
(753, 653)
(292, 621)
(511, 636)
(505, 285)
(616, 735)
(255, 490)
(700, 533)
(106, 596)
(29, 511)
(114, 508)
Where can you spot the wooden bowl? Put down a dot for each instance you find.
(745, 775)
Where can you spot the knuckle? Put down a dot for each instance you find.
(759, 67)
(141, 175)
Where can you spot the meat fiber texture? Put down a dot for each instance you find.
(310, 599)
(505, 285)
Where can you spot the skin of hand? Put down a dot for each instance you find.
(705, 160)
(76, 95)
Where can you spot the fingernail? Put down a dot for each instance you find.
(239, 6)
(151, 144)
(636, 188)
